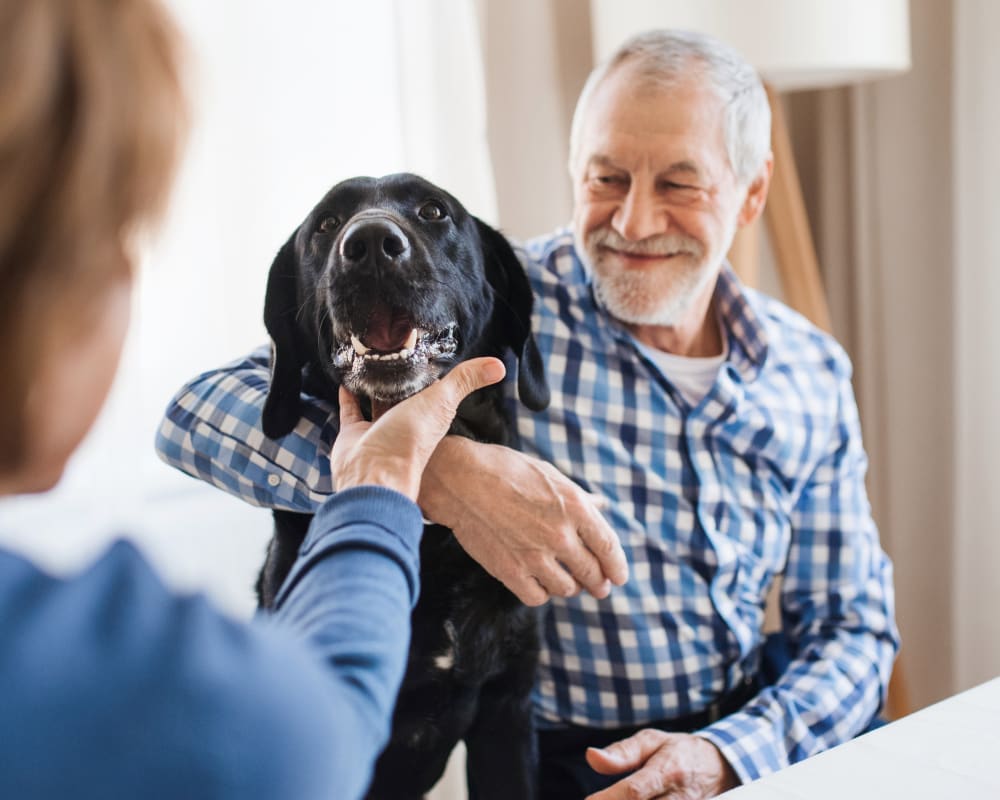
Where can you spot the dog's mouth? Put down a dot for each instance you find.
(390, 358)
(390, 334)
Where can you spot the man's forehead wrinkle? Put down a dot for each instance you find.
(684, 165)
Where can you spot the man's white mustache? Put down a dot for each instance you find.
(666, 244)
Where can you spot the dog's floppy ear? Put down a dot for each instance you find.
(512, 311)
(281, 306)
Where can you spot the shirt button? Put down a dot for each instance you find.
(273, 480)
(687, 634)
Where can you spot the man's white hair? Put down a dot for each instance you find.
(667, 58)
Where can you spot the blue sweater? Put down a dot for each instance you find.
(112, 687)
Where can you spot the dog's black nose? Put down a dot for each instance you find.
(380, 240)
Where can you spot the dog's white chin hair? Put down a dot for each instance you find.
(389, 392)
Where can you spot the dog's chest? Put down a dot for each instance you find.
(466, 624)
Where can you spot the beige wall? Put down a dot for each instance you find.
(976, 120)
(902, 180)
(905, 334)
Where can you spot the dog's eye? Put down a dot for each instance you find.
(432, 211)
(329, 225)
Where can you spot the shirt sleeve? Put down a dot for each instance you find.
(212, 431)
(111, 686)
(837, 608)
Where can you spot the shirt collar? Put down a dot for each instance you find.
(748, 343)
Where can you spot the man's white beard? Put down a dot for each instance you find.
(662, 296)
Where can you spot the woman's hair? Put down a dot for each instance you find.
(92, 115)
(669, 57)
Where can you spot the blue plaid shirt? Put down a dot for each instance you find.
(762, 478)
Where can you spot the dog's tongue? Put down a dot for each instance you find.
(388, 329)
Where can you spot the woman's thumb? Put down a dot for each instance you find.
(474, 374)
(445, 396)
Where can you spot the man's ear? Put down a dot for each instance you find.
(756, 196)
(512, 306)
(288, 357)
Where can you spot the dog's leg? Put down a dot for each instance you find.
(289, 531)
(502, 757)
(428, 723)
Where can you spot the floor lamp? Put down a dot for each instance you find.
(795, 44)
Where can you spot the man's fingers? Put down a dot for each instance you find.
(600, 501)
(601, 540)
(593, 553)
(529, 591)
(556, 580)
(603, 762)
(350, 410)
(627, 754)
(586, 570)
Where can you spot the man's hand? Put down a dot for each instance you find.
(677, 766)
(394, 450)
(525, 522)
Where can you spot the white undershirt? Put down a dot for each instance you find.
(692, 377)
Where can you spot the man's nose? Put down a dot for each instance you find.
(639, 216)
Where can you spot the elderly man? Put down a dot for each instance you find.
(718, 430)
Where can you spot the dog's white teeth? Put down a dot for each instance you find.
(359, 348)
(406, 351)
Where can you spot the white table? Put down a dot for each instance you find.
(946, 751)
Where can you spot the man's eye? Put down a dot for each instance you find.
(674, 186)
(329, 225)
(605, 183)
(432, 211)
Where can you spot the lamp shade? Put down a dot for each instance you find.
(794, 44)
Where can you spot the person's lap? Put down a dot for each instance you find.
(564, 773)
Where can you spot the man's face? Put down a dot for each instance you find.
(656, 201)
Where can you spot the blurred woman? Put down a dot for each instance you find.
(110, 686)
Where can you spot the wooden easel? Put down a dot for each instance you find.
(801, 281)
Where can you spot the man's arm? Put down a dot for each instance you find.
(838, 612)
(526, 523)
(212, 430)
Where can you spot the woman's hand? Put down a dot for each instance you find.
(393, 451)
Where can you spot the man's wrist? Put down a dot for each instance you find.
(436, 499)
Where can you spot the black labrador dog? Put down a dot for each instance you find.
(387, 284)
